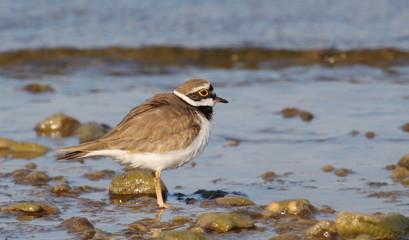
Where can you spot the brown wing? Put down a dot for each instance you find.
(155, 126)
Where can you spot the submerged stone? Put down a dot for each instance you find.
(404, 161)
(134, 183)
(292, 206)
(38, 88)
(233, 201)
(91, 131)
(58, 125)
(80, 226)
(181, 235)
(223, 222)
(323, 229)
(40, 208)
(28, 150)
(379, 226)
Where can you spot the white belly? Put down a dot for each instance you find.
(161, 161)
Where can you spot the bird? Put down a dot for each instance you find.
(164, 132)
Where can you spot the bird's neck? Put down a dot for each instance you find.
(207, 111)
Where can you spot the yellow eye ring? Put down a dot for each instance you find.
(203, 92)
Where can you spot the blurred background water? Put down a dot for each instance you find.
(368, 95)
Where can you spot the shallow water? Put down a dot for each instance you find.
(342, 98)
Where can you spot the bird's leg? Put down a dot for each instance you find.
(158, 189)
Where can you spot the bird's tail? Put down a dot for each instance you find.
(72, 155)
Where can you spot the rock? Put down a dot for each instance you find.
(286, 236)
(134, 183)
(233, 201)
(38, 88)
(62, 188)
(295, 112)
(103, 174)
(79, 226)
(223, 222)
(404, 161)
(400, 173)
(181, 235)
(292, 206)
(39, 208)
(328, 168)
(91, 131)
(27, 150)
(323, 229)
(5, 142)
(34, 177)
(370, 135)
(364, 237)
(380, 226)
(58, 125)
(269, 176)
(343, 172)
(405, 127)
(211, 194)
(290, 112)
(234, 143)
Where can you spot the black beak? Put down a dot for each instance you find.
(220, 100)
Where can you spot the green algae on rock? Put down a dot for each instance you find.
(134, 183)
(233, 201)
(181, 235)
(379, 226)
(223, 222)
(58, 125)
(323, 229)
(292, 206)
(38, 208)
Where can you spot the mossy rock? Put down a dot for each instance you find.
(58, 125)
(321, 230)
(292, 206)
(134, 183)
(181, 235)
(233, 201)
(223, 222)
(32, 207)
(380, 226)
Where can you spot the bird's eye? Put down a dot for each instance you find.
(203, 92)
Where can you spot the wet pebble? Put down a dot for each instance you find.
(233, 201)
(58, 125)
(103, 174)
(79, 226)
(405, 127)
(328, 168)
(292, 206)
(295, 112)
(234, 143)
(62, 188)
(39, 208)
(404, 161)
(370, 134)
(323, 229)
(91, 131)
(223, 221)
(343, 172)
(380, 226)
(134, 183)
(27, 150)
(286, 236)
(269, 176)
(181, 235)
(28, 176)
(38, 88)
(211, 194)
